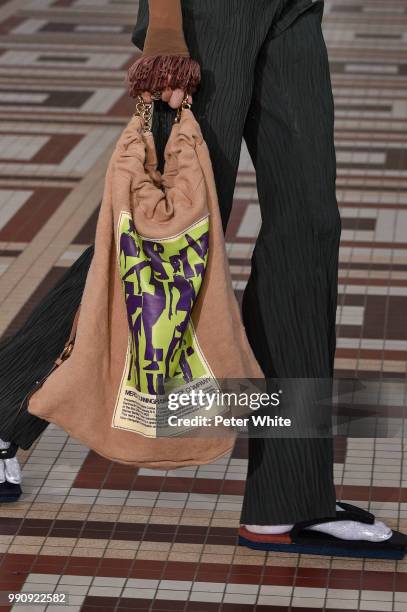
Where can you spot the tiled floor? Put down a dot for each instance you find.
(116, 538)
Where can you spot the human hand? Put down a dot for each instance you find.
(174, 98)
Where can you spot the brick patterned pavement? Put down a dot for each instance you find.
(120, 539)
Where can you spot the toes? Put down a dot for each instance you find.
(353, 530)
(380, 531)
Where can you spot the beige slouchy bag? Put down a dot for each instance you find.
(158, 312)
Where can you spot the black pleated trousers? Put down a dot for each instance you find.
(266, 78)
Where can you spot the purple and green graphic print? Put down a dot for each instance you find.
(161, 280)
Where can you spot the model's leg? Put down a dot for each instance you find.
(289, 305)
(292, 288)
(26, 357)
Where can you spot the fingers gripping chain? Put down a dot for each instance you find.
(145, 110)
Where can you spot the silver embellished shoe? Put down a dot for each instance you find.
(10, 473)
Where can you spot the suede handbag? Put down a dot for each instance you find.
(158, 313)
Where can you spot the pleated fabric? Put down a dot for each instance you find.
(290, 302)
(265, 77)
(28, 355)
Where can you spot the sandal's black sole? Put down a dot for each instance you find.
(9, 492)
(379, 552)
(8, 500)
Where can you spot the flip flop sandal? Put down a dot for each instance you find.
(300, 540)
(9, 491)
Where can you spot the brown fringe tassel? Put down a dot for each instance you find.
(160, 71)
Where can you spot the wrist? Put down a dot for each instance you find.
(164, 41)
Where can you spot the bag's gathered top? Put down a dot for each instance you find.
(165, 61)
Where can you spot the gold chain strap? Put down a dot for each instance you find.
(145, 110)
(185, 104)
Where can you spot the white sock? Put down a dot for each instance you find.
(269, 529)
(10, 469)
(354, 530)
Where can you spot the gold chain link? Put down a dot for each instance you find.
(185, 104)
(145, 110)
